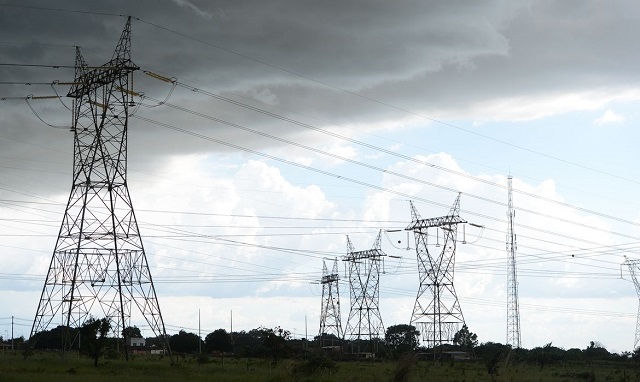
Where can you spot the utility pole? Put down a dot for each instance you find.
(12, 333)
(330, 322)
(513, 307)
(436, 313)
(99, 267)
(365, 322)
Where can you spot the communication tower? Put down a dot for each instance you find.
(513, 309)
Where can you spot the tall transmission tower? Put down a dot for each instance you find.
(330, 322)
(365, 322)
(99, 267)
(436, 312)
(634, 271)
(513, 308)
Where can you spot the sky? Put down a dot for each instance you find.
(293, 124)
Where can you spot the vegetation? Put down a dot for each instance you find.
(318, 367)
(94, 334)
(402, 339)
(270, 354)
(465, 339)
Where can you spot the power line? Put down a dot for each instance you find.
(60, 10)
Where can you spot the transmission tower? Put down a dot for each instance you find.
(99, 267)
(365, 322)
(634, 271)
(513, 308)
(330, 325)
(436, 313)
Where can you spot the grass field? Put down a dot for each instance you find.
(43, 367)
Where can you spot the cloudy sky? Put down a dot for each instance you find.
(295, 123)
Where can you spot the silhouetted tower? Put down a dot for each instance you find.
(365, 322)
(330, 323)
(513, 308)
(99, 267)
(634, 271)
(436, 313)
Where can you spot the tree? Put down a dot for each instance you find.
(248, 344)
(596, 351)
(184, 342)
(218, 340)
(131, 332)
(94, 335)
(54, 338)
(275, 340)
(465, 339)
(402, 338)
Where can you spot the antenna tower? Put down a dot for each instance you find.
(436, 313)
(513, 309)
(99, 267)
(365, 322)
(330, 325)
(634, 270)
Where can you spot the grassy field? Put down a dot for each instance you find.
(42, 367)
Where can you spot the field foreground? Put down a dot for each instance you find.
(51, 368)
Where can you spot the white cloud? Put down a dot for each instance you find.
(608, 117)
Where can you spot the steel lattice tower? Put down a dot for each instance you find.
(634, 270)
(436, 313)
(99, 267)
(330, 323)
(365, 322)
(513, 308)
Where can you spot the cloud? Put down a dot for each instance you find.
(198, 11)
(220, 223)
(608, 117)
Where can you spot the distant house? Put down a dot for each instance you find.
(136, 342)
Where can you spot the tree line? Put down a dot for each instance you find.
(276, 343)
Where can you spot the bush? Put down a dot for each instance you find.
(404, 367)
(317, 363)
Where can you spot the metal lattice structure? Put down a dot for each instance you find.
(634, 271)
(99, 267)
(513, 308)
(436, 312)
(364, 322)
(330, 322)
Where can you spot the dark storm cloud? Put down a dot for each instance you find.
(425, 56)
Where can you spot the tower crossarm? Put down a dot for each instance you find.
(101, 76)
(441, 221)
(373, 254)
(329, 279)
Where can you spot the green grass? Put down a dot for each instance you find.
(48, 367)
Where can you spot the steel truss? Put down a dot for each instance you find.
(99, 267)
(436, 312)
(365, 322)
(634, 270)
(330, 322)
(513, 307)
